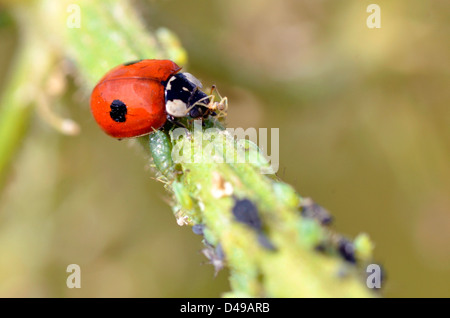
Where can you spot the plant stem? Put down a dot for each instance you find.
(205, 191)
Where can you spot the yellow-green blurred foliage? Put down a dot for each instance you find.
(364, 130)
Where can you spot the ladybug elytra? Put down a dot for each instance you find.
(136, 98)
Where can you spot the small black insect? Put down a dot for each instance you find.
(198, 229)
(118, 111)
(246, 212)
(310, 209)
(347, 250)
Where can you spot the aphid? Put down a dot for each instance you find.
(215, 256)
(198, 229)
(310, 209)
(161, 150)
(346, 250)
(246, 212)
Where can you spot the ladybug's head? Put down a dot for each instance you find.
(184, 96)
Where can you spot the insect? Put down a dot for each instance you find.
(137, 98)
(215, 256)
(246, 212)
(198, 229)
(347, 250)
(312, 210)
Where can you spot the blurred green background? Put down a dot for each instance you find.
(364, 130)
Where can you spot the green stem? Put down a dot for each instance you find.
(205, 190)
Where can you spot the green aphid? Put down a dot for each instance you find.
(161, 151)
(363, 247)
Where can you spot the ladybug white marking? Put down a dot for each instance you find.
(169, 86)
(176, 108)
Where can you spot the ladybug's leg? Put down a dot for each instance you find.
(200, 108)
(196, 103)
(206, 102)
(174, 122)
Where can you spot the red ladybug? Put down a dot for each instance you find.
(135, 98)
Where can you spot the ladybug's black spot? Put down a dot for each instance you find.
(131, 63)
(118, 111)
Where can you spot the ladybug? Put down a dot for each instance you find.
(136, 98)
